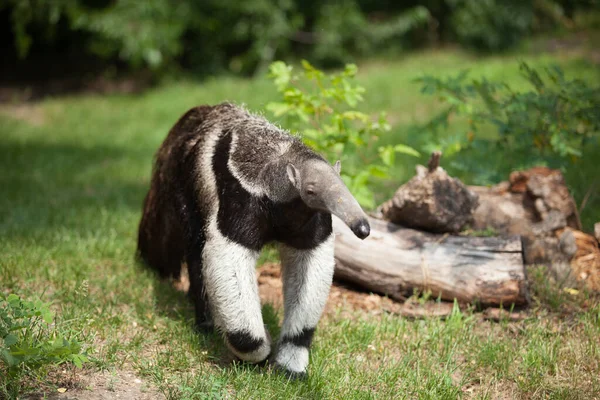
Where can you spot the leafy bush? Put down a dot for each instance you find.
(343, 30)
(43, 14)
(322, 108)
(556, 119)
(143, 33)
(491, 25)
(30, 342)
(245, 37)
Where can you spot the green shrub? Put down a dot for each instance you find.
(245, 36)
(30, 342)
(343, 31)
(140, 33)
(322, 108)
(551, 122)
(491, 25)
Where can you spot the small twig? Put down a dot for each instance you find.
(434, 161)
(587, 196)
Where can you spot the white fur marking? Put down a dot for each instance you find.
(254, 189)
(307, 277)
(273, 136)
(293, 358)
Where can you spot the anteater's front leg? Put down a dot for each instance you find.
(307, 276)
(230, 280)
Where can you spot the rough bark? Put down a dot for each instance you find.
(432, 201)
(395, 261)
(536, 205)
(585, 263)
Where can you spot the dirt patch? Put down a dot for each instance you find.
(101, 386)
(342, 298)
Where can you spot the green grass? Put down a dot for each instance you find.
(73, 177)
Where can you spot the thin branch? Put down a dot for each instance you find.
(588, 194)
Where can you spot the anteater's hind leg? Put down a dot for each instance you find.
(195, 239)
(197, 291)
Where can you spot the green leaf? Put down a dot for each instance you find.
(76, 359)
(12, 299)
(281, 74)
(8, 358)
(10, 339)
(355, 115)
(387, 155)
(278, 109)
(403, 149)
(378, 171)
(351, 70)
(48, 316)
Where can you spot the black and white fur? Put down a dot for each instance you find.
(225, 183)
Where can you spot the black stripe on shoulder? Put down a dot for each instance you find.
(243, 341)
(242, 217)
(303, 339)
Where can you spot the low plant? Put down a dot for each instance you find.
(30, 343)
(323, 110)
(552, 121)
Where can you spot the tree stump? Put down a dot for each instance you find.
(432, 201)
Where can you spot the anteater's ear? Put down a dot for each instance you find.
(337, 166)
(293, 175)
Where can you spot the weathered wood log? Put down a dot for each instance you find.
(395, 260)
(597, 231)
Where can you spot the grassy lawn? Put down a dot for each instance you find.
(74, 171)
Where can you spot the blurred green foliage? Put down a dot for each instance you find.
(552, 122)
(246, 36)
(323, 109)
(491, 25)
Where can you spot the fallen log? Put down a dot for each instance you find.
(395, 261)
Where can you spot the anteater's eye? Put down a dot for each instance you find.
(310, 191)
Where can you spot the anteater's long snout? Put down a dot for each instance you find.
(342, 204)
(361, 228)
